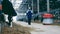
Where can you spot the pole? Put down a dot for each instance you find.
(47, 5)
(0, 21)
(32, 5)
(38, 6)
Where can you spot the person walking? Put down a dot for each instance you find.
(29, 16)
(8, 9)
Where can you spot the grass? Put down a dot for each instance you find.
(16, 29)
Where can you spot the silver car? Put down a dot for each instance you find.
(21, 17)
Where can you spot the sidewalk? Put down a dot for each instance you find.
(41, 29)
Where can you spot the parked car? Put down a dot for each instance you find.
(21, 17)
(38, 16)
(56, 13)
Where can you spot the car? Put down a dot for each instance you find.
(38, 16)
(56, 13)
(21, 17)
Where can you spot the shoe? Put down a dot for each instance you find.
(7, 23)
(29, 24)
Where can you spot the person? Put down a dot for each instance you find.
(1, 14)
(8, 9)
(42, 18)
(29, 16)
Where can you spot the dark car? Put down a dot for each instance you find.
(38, 16)
(56, 13)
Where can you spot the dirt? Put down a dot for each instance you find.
(16, 29)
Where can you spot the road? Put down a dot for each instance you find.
(40, 28)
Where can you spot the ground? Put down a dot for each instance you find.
(39, 28)
(16, 29)
(20, 27)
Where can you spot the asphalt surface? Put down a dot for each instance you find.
(40, 28)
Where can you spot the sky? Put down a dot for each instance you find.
(16, 3)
